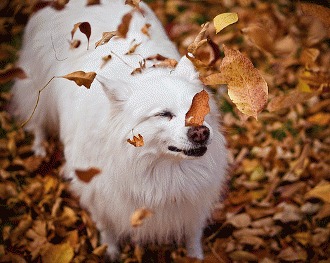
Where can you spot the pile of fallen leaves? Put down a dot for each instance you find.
(277, 205)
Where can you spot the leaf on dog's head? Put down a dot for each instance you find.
(84, 28)
(145, 29)
(198, 110)
(9, 73)
(139, 215)
(87, 175)
(246, 87)
(106, 36)
(137, 141)
(223, 20)
(166, 63)
(81, 78)
(133, 3)
(124, 25)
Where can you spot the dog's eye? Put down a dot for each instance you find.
(166, 114)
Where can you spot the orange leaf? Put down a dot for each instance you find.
(139, 215)
(137, 141)
(106, 36)
(166, 63)
(81, 78)
(87, 175)
(145, 29)
(246, 87)
(10, 73)
(124, 25)
(198, 110)
(133, 3)
(84, 28)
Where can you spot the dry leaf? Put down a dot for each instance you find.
(156, 57)
(133, 3)
(145, 29)
(321, 191)
(198, 110)
(87, 175)
(223, 20)
(124, 25)
(106, 36)
(105, 60)
(84, 28)
(9, 73)
(132, 49)
(58, 253)
(137, 141)
(199, 40)
(166, 63)
(246, 87)
(139, 215)
(81, 78)
(75, 43)
(93, 2)
(139, 69)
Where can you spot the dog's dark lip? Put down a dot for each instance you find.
(199, 151)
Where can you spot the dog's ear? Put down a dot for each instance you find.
(116, 90)
(186, 69)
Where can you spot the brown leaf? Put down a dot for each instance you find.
(87, 175)
(132, 49)
(75, 43)
(105, 60)
(81, 78)
(9, 73)
(124, 25)
(93, 2)
(198, 110)
(133, 3)
(84, 28)
(246, 87)
(139, 69)
(145, 29)
(321, 191)
(139, 215)
(106, 36)
(137, 141)
(260, 37)
(156, 57)
(166, 63)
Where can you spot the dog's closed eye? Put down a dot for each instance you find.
(166, 114)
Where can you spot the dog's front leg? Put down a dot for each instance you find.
(193, 235)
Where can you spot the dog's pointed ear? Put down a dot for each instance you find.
(186, 69)
(116, 90)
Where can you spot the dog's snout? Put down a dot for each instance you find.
(199, 134)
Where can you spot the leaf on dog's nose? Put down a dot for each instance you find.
(246, 87)
(81, 78)
(124, 25)
(137, 141)
(87, 175)
(139, 215)
(198, 110)
(106, 36)
(223, 20)
(84, 28)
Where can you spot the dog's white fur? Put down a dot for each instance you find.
(95, 124)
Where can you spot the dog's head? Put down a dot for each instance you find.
(155, 105)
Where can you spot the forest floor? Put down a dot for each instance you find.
(276, 207)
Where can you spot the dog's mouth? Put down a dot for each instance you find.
(199, 151)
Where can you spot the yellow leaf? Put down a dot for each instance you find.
(303, 238)
(198, 110)
(58, 253)
(223, 20)
(303, 86)
(320, 118)
(246, 87)
(137, 141)
(81, 78)
(139, 215)
(321, 191)
(87, 175)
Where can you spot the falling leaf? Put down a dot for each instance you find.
(105, 60)
(93, 2)
(198, 110)
(132, 49)
(223, 20)
(166, 63)
(87, 175)
(321, 191)
(137, 141)
(124, 25)
(139, 215)
(133, 3)
(246, 87)
(9, 73)
(81, 78)
(106, 36)
(145, 29)
(84, 28)
(58, 253)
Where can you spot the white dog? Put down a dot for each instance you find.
(178, 172)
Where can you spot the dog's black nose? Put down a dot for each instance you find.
(198, 134)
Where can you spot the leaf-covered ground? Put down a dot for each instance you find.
(276, 206)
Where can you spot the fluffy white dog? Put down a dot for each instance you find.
(178, 172)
